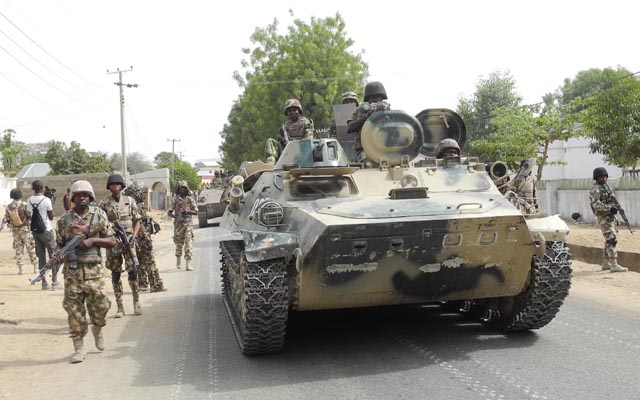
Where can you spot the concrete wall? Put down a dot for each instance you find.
(579, 162)
(566, 196)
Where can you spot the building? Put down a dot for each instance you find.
(206, 170)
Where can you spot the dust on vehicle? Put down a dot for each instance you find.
(317, 232)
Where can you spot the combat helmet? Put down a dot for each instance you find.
(598, 172)
(350, 96)
(15, 194)
(134, 191)
(447, 144)
(115, 178)
(180, 184)
(292, 103)
(374, 89)
(82, 186)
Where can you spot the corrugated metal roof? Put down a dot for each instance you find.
(35, 170)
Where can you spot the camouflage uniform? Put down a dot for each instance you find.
(83, 282)
(607, 222)
(22, 236)
(362, 112)
(125, 212)
(182, 227)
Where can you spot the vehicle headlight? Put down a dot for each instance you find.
(270, 213)
(409, 181)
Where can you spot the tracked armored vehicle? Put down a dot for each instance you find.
(316, 232)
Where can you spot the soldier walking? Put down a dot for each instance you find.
(182, 208)
(605, 211)
(149, 277)
(17, 214)
(83, 283)
(122, 211)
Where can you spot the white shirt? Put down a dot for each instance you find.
(44, 206)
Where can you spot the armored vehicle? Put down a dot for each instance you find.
(210, 205)
(318, 232)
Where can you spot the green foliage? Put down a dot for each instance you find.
(493, 93)
(74, 159)
(136, 163)
(181, 170)
(611, 117)
(11, 151)
(312, 62)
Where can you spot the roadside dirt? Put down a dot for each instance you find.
(29, 315)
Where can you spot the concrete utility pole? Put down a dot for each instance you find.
(123, 136)
(173, 155)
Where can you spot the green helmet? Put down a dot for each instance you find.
(350, 96)
(447, 144)
(374, 89)
(598, 172)
(134, 191)
(115, 178)
(292, 103)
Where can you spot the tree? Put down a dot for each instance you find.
(493, 93)
(611, 117)
(10, 150)
(181, 170)
(526, 131)
(136, 163)
(312, 62)
(74, 159)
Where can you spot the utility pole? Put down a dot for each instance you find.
(173, 155)
(123, 135)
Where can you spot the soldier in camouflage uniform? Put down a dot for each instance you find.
(606, 211)
(83, 283)
(182, 208)
(217, 180)
(144, 245)
(296, 128)
(123, 211)
(375, 97)
(17, 216)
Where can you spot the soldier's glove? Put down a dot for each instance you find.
(614, 210)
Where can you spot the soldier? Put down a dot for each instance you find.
(297, 127)
(347, 98)
(84, 287)
(17, 214)
(374, 101)
(448, 148)
(605, 211)
(144, 245)
(122, 211)
(182, 208)
(217, 181)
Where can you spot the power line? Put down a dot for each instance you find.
(34, 96)
(44, 65)
(46, 52)
(43, 79)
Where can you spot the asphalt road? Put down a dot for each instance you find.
(183, 347)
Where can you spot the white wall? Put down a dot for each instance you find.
(580, 163)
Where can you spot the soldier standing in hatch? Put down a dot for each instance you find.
(606, 211)
(347, 98)
(17, 214)
(123, 211)
(374, 101)
(83, 283)
(149, 275)
(296, 128)
(182, 208)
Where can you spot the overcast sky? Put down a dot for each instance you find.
(54, 57)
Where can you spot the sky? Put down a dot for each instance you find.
(55, 54)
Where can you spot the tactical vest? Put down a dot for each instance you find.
(121, 213)
(297, 130)
(92, 254)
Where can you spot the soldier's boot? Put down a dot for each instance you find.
(135, 293)
(615, 267)
(188, 265)
(98, 337)
(178, 262)
(156, 282)
(19, 269)
(120, 311)
(79, 353)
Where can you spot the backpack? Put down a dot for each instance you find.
(37, 224)
(16, 217)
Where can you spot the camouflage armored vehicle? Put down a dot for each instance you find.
(210, 205)
(316, 232)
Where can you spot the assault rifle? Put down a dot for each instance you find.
(284, 137)
(377, 106)
(2, 224)
(127, 247)
(69, 249)
(612, 199)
